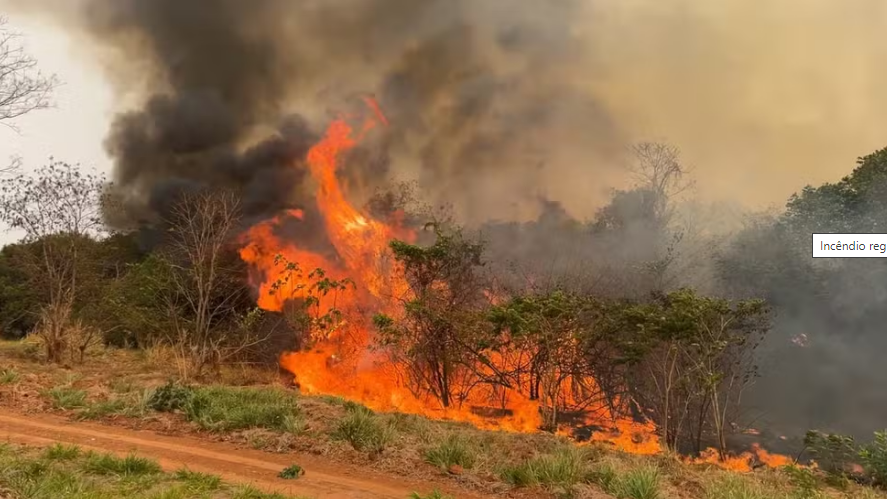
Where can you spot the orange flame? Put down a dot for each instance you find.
(345, 365)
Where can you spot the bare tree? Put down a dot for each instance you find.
(204, 284)
(658, 170)
(23, 88)
(58, 209)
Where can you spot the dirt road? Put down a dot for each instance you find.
(323, 479)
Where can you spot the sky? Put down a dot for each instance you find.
(73, 129)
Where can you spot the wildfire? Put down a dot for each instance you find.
(745, 462)
(344, 364)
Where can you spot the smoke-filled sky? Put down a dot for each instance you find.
(493, 103)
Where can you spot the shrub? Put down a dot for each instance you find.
(834, 453)
(364, 430)
(455, 450)
(874, 458)
(170, 397)
(291, 472)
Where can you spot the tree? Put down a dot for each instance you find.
(693, 357)
(659, 173)
(436, 335)
(22, 87)
(58, 209)
(545, 335)
(202, 281)
(311, 301)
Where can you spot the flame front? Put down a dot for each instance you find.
(344, 364)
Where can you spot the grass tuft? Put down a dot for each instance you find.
(129, 466)
(249, 492)
(61, 452)
(565, 469)
(222, 408)
(196, 482)
(639, 483)
(435, 494)
(8, 376)
(364, 430)
(455, 450)
(66, 397)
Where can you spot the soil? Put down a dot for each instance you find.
(323, 479)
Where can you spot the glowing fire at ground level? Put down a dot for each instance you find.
(344, 365)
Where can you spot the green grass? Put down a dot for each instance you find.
(129, 466)
(8, 376)
(436, 494)
(66, 397)
(455, 450)
(248, 492)
(61, 452)
(736, 487)
(221, 408)
(291, 472)
(196, 482)
(61, 472)
(564, 469)
(638, 483)
(364, 430)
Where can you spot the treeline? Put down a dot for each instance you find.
(679, 358)
(625, 334)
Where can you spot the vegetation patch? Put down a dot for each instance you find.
(365, 430)
(291, 472)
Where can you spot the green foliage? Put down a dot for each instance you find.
(222, 408)
(638, 483)
(129, 466)
(171, 397)
(804, 480)
(364, 430)
(309, 295)
(833, 453)
(702, 347)
(435, 494)
(197, 482)
(439, 332)
(737, 487)
(874, 458)
(455, 450)
(855, 204)
(250, 492)
(61, 452)
(564, 469)
(66, 397)
(8, 376)
(291, 472)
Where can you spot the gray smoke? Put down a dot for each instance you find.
(232, 93)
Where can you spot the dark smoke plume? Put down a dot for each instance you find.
(231, 93)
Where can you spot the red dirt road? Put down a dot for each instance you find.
(322, 480)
